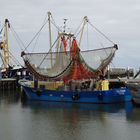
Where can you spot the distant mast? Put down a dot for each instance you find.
(7, 49)
(4, 45)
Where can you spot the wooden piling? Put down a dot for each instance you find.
(8, 84)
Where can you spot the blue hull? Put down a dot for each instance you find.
(99, 97)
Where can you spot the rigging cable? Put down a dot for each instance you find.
(99, 41)
(39, 35)
(36, 42)
(87, 38)
(101, 33)
(16, 60)
(19, 41)
(53, 22)
(2, 58)
(49, 51)
(78, 28)
(1, 30)
(35, 35)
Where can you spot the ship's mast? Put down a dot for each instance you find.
(85, 21)
(50, 35)
(5, 45)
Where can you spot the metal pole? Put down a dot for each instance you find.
(6, 47)
(50, 35)
(85, 21)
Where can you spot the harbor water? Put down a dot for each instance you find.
(34, 120)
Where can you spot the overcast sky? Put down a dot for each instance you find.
(118, 19)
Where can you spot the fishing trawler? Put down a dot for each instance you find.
(10, 66)
(70, 74)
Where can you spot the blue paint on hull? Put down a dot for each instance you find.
(110, 96)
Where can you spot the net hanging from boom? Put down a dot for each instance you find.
(68, 62)
(69, 65)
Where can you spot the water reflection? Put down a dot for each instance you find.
(14, 97)
(110, 108)
(81, 121)
(60, 121)
(9, 96)
(134, 115)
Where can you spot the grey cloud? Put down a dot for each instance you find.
(118, 19)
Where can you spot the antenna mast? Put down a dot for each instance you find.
(65, 20)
